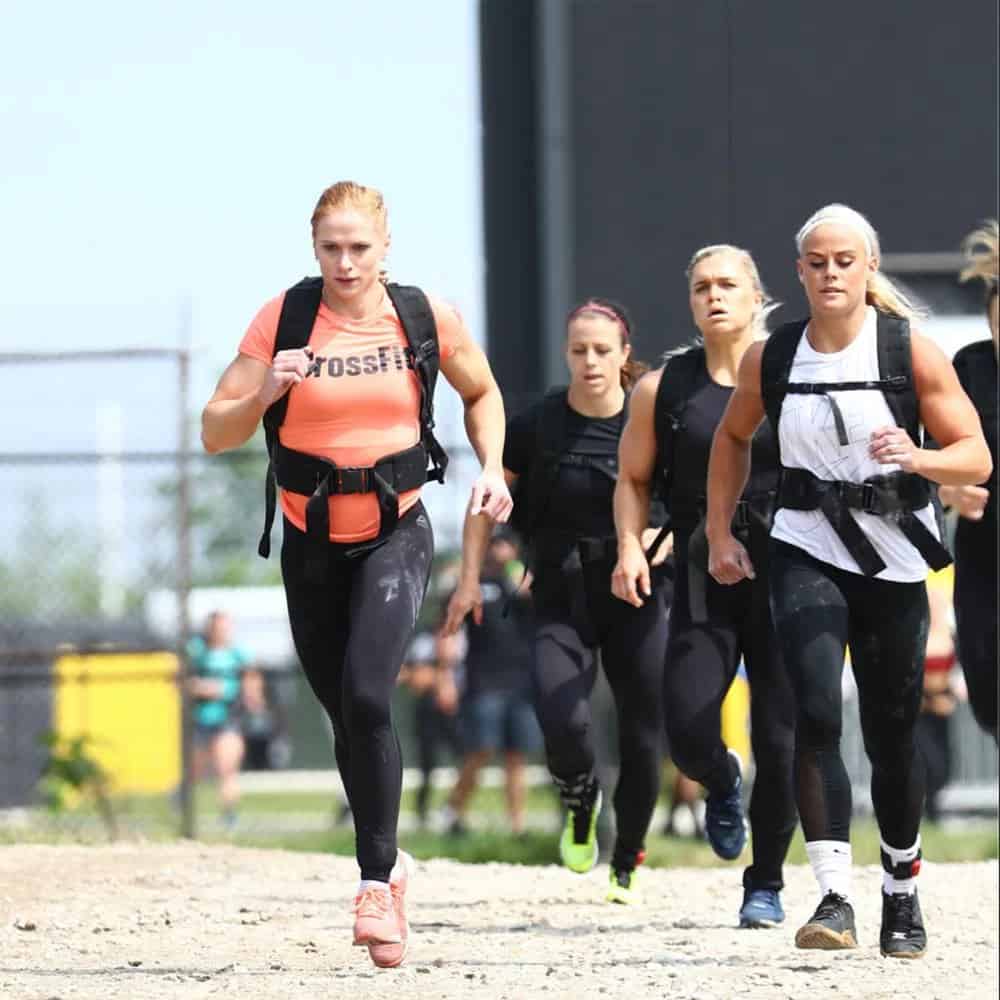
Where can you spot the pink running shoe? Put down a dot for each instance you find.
(375, 918)
(388, 956)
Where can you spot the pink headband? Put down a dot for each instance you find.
(603, 310)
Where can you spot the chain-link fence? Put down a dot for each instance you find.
(118, 539)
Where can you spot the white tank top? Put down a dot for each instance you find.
(808, 438)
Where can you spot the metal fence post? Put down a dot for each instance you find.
(183, 588)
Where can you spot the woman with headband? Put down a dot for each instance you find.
(563, 455)
(847, 392)
(976, 537)
(674, 414)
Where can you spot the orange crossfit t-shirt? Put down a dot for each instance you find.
(360, 402)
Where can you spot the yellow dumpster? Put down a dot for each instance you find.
(129, 707)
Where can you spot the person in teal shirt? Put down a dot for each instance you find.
(216, 668)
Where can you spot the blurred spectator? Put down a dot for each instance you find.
(213, 684)
(686, 812)
(261, 724)
(939, 698)
(436, 709)
(496, 707)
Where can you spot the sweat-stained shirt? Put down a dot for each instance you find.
(359, 403)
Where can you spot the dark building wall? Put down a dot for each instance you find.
(732, 121)
(510, 179)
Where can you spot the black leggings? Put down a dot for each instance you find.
(976, 620)
(702, 660)
(351, 634)
(818, 610)
(631, 642)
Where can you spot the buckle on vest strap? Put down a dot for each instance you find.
(351, 480)
(870, 499)
(861, 496)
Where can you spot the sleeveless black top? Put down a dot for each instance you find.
(976, 366)
(700, 417)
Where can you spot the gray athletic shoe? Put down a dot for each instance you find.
(902, 934)
(830, 927)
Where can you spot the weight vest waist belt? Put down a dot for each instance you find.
(553, 549)
(894, 496)
(319, 479)
(751, 521)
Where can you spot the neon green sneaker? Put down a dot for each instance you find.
(623, 887)
(578, 843)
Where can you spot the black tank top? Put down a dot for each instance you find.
(693, 444)
(976, 366)
(581, 505)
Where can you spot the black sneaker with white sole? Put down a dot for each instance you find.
(902, 934)
(831, 927)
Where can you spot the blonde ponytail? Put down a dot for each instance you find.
(882, 293)
(982, 253)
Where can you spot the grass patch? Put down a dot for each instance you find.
(156, 818)
(529, 848)
(940, 844)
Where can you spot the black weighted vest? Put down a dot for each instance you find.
(318, 478)
(534, 489)
(895, 495)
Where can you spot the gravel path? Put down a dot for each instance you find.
(151, 922)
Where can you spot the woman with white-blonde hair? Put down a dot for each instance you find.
(675, 412)
(847, 393)
(976, 537)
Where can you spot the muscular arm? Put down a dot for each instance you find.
(636, 462)
(729, 463)
(235, 409)
(245, 391)
(630, 579)
(476, 532)
(468, 372)
(950, 417)
(728, 469)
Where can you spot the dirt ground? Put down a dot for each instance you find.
(152, 922)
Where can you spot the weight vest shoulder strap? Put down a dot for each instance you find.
(672, 394)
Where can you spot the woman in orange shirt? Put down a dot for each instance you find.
(349, 455)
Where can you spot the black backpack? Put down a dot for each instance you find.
(404, 470)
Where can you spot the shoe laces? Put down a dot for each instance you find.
(622, 878)
(725, 809)
(901, 908)
(831, 905)
(372, 903)
(581, 824)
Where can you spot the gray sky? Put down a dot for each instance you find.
(160, 159)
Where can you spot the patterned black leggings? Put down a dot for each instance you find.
(818, 610)
(351, 634)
